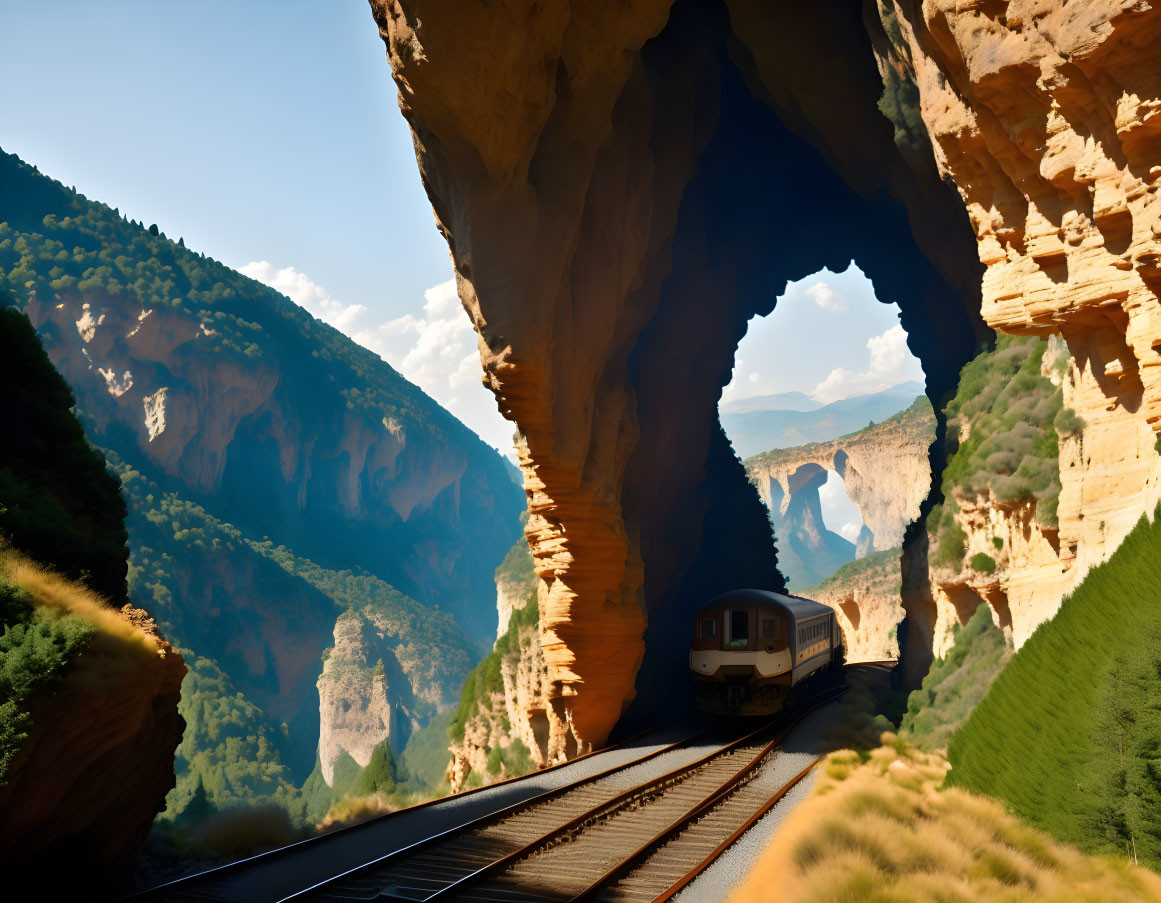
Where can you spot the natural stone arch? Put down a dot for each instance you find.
(884, 468)
(620, 197)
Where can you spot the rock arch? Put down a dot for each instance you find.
(622, 188)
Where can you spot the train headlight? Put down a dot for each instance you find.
(769, 648)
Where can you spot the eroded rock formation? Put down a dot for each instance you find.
(98, 761)
(884, 468)
(1047, 117)
(1110, 476)
(621, 189)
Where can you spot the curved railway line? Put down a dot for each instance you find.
(640, 830)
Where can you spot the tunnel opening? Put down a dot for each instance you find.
(826, 409)
(764, 207)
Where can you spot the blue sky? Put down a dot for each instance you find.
(269, 137)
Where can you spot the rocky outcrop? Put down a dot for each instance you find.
(884, 468)
(355, 713)
(98, 761)
(505, 728)
(1047, 120)
(622, 193)
(1110, 476)
(512, 721)
(865, 595)
(371, 690)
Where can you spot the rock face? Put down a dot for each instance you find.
(98, 760)
(252, 432)
(512, 717)
(1110, 476)
(370, 690)
(884, 468)
(516, 713)
(622, 190)
(865, 595)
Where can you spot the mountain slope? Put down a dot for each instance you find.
(226, 391)
(753, 431)
(271, 465)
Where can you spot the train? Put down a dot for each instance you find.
(753, 650)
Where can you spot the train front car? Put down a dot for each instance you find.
(752, 648)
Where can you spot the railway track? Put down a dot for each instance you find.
(640, 830)
(615, 838)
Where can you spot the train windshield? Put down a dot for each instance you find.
(739, 628)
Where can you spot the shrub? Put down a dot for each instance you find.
(983, 563)
(956, 683)
(1068, 422)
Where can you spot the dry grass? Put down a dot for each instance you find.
(118, 651)
(51, 591)
(876, 829)
(351, 810)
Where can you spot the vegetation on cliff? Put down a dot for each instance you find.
(1002, 442)
(878, 571)
(58, 502)
(956, 683)
(1069, 733)
(36, 644)
(60, 506)
(486, 679)
(234, 749)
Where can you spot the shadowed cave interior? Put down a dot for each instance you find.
(763, 208)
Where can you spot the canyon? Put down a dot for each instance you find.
(622, 191)
(885, 472)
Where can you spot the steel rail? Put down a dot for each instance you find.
(482, 821)
(361, 827)
(713, 800)
(650, 787)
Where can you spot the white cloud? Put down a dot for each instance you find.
(304, 292)
(890, 363)
(826, 297)
(850, 531)
(436, 349)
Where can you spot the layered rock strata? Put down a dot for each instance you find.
(621, 190)
(1047, 118)
(1110, 476)
(884, 468)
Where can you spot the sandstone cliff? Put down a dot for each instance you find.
(97, 761)
(884, 468)
(865, 595)
(1007, 151)
(502, 727)
(1109, 475)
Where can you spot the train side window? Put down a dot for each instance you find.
(709, 628)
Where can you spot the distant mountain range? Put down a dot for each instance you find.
(788, 419)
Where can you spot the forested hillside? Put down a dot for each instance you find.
(1070, 731)
(278, 476)
(86, 687)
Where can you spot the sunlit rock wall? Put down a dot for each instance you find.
(1047, 118)
(622, 188)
